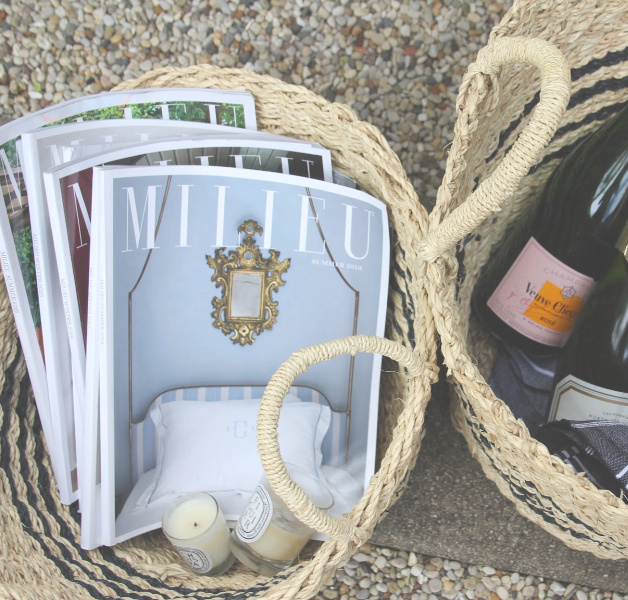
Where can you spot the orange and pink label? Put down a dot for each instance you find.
(540, 297)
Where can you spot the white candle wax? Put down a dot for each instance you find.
(197, 528)
(191, 518)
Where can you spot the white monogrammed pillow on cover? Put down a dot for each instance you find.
(212, 446)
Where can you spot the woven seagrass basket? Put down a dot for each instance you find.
(40, 555)
(593, 37)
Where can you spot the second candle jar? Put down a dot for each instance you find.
(268, 537)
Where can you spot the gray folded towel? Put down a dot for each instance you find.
(599, 449)
(524, 382)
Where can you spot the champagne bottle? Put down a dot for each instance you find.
(531, 290)
(591, 380)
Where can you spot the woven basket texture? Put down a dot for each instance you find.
(593, 37)
(40, 554)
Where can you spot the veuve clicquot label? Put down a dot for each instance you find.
(577, 400)
(540, 296)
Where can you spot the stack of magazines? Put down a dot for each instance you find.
(162, 258)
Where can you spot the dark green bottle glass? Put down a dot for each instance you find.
(540, 277)
(591, 381)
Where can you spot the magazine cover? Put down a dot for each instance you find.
(43, 149)
(234, 109)
(209, 279)
(69, 191)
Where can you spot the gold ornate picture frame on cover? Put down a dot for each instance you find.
(248, 281)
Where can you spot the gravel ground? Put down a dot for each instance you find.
(375, 572)
(398, 64)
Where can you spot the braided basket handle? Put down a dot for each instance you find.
(525, 152)
(268, 418)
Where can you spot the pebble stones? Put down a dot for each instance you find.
(383, 573)
(397, 63)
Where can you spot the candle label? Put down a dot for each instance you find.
(256, 516)
(198, 559)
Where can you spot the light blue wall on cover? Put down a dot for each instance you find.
(174, 341)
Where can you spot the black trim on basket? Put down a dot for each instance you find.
(46, 484)
(46, 496)
(600, 115)
(505, 134)
(579, 97)
(604, 85)
(117, 582)
(408, 311)
(21, 507)
(523, 495)
(47, 488)
(612, 58)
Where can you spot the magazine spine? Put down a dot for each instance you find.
(101, 223)
(58, 369)
(16, 291)
(68, 310)
(91, 522)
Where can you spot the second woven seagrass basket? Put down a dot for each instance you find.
(593, 37)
